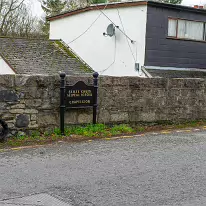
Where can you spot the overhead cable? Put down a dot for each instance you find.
(114, 60)
(88, 27)
(126, 38)
(102, 11)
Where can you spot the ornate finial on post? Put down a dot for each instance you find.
(95, 83)
(95, 75)
(62, 101)
(62, 75)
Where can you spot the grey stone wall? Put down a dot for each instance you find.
(32, 102)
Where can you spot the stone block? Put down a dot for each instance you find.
(11, 125)
(105, 81)
(35, 126)
(3, 105)
(31, 111)
(30, 103)
(31, 93)
(134, 116)
(120, 117)
(85, 118)
(46, 104)
(8, 116)
(18, 106)
(16, 111)
(148, 117)
(45, 119)
(8, 96)
(32, 123)
(120, 81)
(22, 121)
(7, 81)
(33, 117)
(21, 80)
(71, 117)
(103, 116)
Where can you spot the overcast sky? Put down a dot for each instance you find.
(36, 7)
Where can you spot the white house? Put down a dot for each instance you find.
(83, 31)
(146, 34)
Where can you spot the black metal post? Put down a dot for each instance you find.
(62, 101)
(95, 80)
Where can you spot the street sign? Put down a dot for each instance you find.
(79, 95)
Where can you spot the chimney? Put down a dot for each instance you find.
(198, 7)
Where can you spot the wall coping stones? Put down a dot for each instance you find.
(31, 102)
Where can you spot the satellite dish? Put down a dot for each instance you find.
(111, 30)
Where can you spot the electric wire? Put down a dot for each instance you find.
(126, 38)
(88, 27)
(114, 60)
(136, 52)
(81, 33)
(102, 11)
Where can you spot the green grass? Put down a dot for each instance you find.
(98, 130)
(80, 133)
(73, 132)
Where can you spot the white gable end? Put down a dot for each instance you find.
(114, 56)
(4, 67)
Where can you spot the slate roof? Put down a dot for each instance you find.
(176, 73)
(35, 56)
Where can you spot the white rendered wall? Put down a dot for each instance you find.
(99, 51)
(4, 67)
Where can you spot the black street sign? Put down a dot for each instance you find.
(79, 95)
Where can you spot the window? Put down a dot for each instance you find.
(185, 29)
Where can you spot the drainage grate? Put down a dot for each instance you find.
(34, 200)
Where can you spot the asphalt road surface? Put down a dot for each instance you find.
(152, 170)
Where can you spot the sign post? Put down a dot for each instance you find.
(62, 102)
(95, 83)
(79, 95)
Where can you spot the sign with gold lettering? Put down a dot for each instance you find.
(79, 95)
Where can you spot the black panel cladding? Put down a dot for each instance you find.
(165, 52)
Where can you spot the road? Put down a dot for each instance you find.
(151, 170)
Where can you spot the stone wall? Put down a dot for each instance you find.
(32, 102)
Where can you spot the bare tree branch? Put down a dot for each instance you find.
(17, 20)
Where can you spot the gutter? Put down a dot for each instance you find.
(125, 4)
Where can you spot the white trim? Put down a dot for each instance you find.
(175, 69)
(147, 74)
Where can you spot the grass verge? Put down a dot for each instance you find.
(75, 133)
(91, 132)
